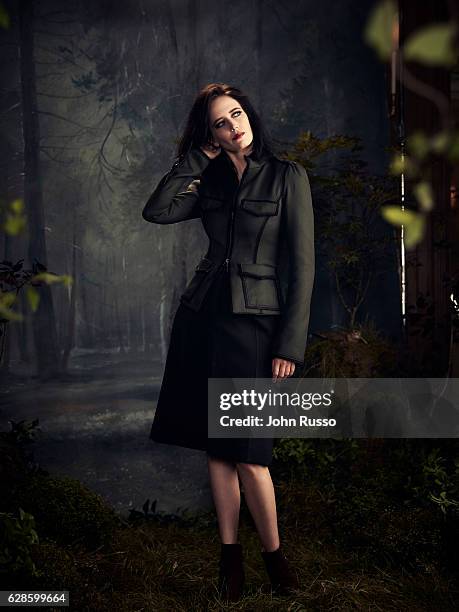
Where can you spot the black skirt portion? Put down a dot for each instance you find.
(212, 343)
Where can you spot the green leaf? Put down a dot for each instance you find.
(413, 223)
(432, 45)
(378, 29)
(47, 277)
(414, 231)
(402, 164)
(66, 279)
(17, 205)
(4, 17)
(351, 258)
(424, 195)
(14, 224)
(440, 142)
(7, 298)
(418, 144)
(33, 297)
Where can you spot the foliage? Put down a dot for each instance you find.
(335, 503)
(415, 224)
(15, 462)
(182, 516)
(394, 501)
(432, 45)
(407, 471)
(360, 353)
(302, 452)
(13, 276)
(64, 509)
(4, 17)
(24, 431)
(347, 203)
(438, 483)
(17, 534)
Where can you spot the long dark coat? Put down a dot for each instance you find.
(248, 301)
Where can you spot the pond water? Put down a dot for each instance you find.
(95, 426)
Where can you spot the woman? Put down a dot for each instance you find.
(235, 319)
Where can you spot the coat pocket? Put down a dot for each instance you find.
(201, 271)
(260, 208)
(260, 285)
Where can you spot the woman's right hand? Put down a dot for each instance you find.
(210, 150)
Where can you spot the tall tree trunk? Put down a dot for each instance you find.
(87, 331)
(181, 235)
(163, 322)
(5, 342)
(106, 304)
(44, 324)
(23, 332)
(5, 335)
(118, 317)
(258, 54)
(70, 338)
(142, 334)
(126, 301)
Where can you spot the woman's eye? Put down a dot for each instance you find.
(235, 114)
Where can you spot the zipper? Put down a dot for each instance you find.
(229, 243)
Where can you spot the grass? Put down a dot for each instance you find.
(160, 566)
(354, 548)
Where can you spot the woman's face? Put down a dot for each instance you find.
(227, 120)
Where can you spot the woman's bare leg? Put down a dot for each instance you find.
(224, 483)
(261, 501)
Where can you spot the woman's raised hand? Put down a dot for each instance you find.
(211, 150)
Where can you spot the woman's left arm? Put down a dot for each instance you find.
(176, 196)
(298, 230)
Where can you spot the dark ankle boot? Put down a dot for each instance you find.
(231, 577)
(283, 578)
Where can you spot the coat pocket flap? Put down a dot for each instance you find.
(260, 208)
(204, 265)
(260, 287)
(257, 270)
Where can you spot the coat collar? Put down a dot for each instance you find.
(252, 161)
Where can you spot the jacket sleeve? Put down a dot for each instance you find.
(291, 338)
(176, 196)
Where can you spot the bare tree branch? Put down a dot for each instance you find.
(61, 57)
(56, 35)
(85, 127)
(54, 159)
(39, 93)
(10, 108)
(46, 15)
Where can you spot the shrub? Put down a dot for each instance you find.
(65, 510)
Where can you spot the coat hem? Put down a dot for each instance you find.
(178, 442)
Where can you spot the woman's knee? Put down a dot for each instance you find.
(251, 469)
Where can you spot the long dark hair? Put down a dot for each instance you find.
(197, 131)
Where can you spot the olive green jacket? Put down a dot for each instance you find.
(261, 229)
